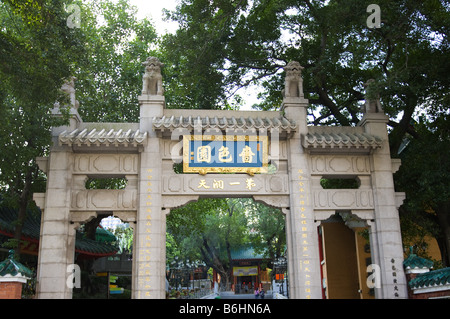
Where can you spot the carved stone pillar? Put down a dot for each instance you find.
(57, 240)
(386, 235)
(149, 255)
(304, 261)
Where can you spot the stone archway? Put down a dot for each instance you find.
(144, 153)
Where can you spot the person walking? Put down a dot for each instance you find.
(261, 293)
(256, 293)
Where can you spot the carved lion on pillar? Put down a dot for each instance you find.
(293, 83)
(372, 104)
(152, 80)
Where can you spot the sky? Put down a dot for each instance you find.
(153, 9)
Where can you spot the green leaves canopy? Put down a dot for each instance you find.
(222, 46)
(117, 43)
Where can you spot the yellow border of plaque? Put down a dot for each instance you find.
(204, 170)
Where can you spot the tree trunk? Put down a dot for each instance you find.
(211, 259)
(443, 215)
(22, 213)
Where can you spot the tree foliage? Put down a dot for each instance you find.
(222, 46)
(425, 177)
(210, 229)
(268, 235)
(38, 53)
(116, 43)
(207, 230)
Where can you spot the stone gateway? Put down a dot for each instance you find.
(295, 158)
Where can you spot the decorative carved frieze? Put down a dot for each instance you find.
(340, 199)
(114, 164)
(348, 165)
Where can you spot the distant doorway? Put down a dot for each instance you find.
(245, 284)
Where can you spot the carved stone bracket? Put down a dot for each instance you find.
(172, 202)
(275, 201)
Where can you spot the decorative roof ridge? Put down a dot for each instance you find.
(435, 278)
(222, 122)
(11, 267)
(414, 262)
(319, 137)
(103, 136)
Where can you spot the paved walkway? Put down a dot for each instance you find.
(232, 295)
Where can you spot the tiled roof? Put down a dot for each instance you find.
(31, 226)
(431, 279)
(414, 262)
(245, 253)
(339, 137)
(11, 267)
(106, 134)
(223, 123)
(31, 231)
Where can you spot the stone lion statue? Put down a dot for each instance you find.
(152, 80)
(293, 83)
(372, 105)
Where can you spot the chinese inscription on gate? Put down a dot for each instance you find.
(225, 154)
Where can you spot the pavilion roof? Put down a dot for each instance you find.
(414, 262)
(246, 253)
(31, 233)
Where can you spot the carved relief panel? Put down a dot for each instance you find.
(343, 165)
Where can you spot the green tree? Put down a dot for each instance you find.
(39, 50)
(38, 53)
(208, 230)
(268, 226)
(222, 46)
(424, 176)
(116, 43)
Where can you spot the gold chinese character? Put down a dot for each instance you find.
(204, 154)
(218, 184)
(250, 183)
(223, 155)
(202, 184)
(247, 154)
